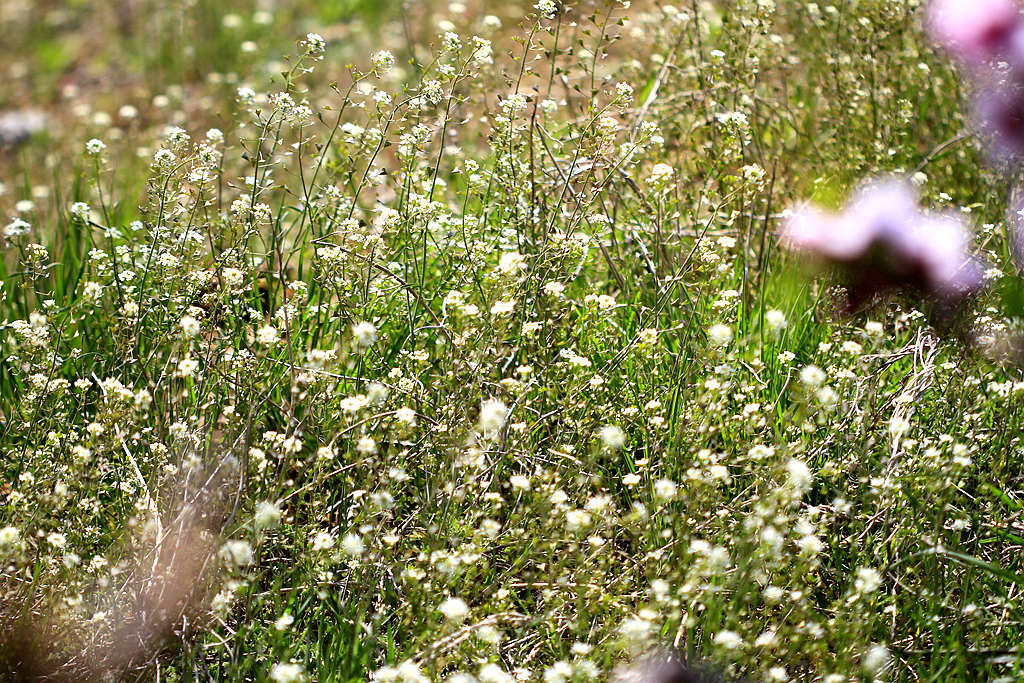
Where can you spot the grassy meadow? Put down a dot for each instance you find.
(420, 341)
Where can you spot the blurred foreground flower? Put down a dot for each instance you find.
(999, 112)
(168, 571)
(988, 37)
(667, 668)
(978, 31)
(885, 243)
(18, 126)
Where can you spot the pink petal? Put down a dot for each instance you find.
(889, 205)
(976, 30)
(942, 248)
(825, 234)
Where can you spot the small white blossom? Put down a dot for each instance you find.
(189, 326)
(867, 580)
(365, 334)
(876, 660)
(237, 553)
(95, 147)
(728, 640)
(812, 376)
(493, 414)
(720, 335)
(268, 515)
(775, 321)
(353, 545)
(267, 335)
(612, 437)
(454, 609)
(287, 672)
(382, 62)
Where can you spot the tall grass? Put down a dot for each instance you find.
(487, 364)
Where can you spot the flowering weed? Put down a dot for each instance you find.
(458, 342)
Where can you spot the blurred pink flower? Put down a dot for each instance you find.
(846, 237)
(988, 35)
(999, 111)
(977, 31)
(885, 242)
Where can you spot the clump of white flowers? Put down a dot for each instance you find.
(382, 62)
(81, 211)
(720, 335)
(268, 335)
(660, 175)
(365, 334)
(775, 320)
(267, 516)
(237, 553)
(493, 414)
(728, 640)
(867, 580)
(454, 609)
(314, 45)
(546, 8)
(287, 672)
(612, 437)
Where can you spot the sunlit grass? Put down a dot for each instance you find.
(462, 344)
